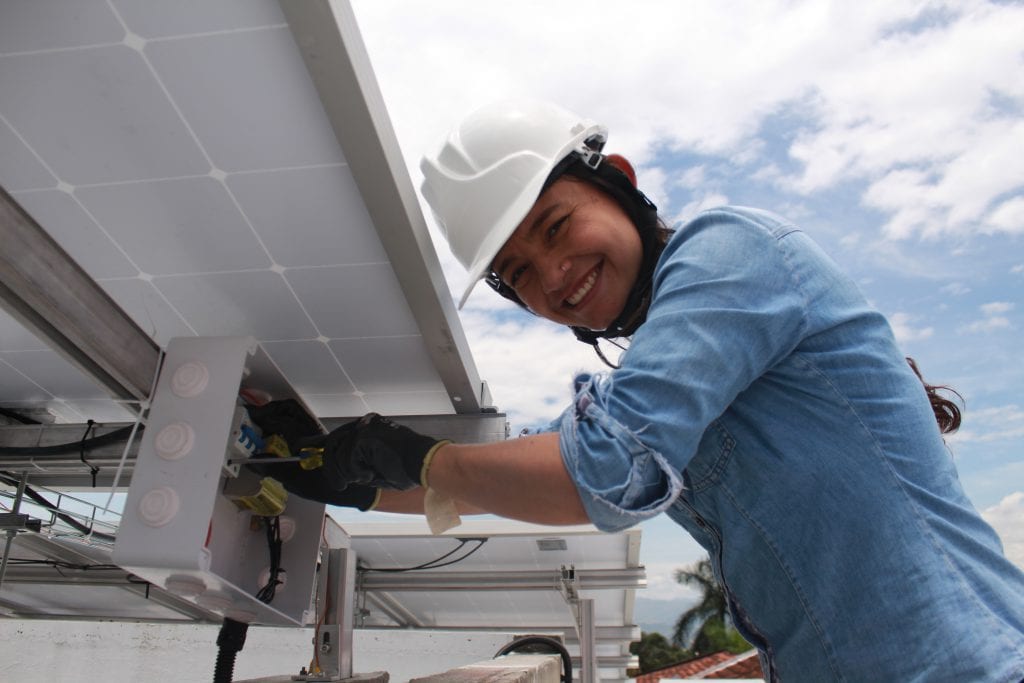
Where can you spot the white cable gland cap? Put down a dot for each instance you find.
(159, 506)
(190, 379)
(286, 527)
(175, 441)
(184, 585)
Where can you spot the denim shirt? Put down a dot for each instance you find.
(765, 407)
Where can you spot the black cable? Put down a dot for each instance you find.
(230, 641)
(73, 447)
(62, 564)
(267, 592)
(18, 417)
(436, 562)
(67, 519)
(231, 637)
(531, 642)
(93, 470)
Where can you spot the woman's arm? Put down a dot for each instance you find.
(522, 479)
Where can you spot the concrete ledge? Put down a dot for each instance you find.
(375, 677)
(508, 669)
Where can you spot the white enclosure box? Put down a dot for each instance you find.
(179, 530)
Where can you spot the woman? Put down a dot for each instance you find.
(762, 404)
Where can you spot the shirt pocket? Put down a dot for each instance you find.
(713, 453)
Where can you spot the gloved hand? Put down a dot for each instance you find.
(289, 420)
(374, 451)
(313, 485)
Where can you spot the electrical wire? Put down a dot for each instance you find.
(139, 417)
(81, 446)
(231, 637)
(62, 564)
(267, 592)
(436, 562)
(18, 417)
(531, 644)
(93, 470)
(64, 517)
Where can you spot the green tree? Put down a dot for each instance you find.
(715, 636)
(655, 651)
(705, 627)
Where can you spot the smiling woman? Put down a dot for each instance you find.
(763, 405)
(574, 258)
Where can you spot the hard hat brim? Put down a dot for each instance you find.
(503, 230)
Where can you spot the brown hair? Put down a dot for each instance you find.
(947, 412)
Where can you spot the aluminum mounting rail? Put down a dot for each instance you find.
(51, 295)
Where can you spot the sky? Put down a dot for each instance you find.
(891, 131)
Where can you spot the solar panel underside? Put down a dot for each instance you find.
(180, 154)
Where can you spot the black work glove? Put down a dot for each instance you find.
(288, 419)
(314, 485)
(374, 451)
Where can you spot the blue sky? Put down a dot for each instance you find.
(891, 131)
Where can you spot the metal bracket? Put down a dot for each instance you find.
(335, 595)
(583, 616)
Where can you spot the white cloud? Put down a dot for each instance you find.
(985, 325)
(1008, 216)
(874, 95)
(996, 307)
(904, 331)
(654, 181)
(986, 425)
(886, 96)
(704, 201)
(692, 178)
(956, 289)
(993, 319)
(1007, 518)
(528, 364)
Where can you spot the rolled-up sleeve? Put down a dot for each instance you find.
(728, 304)
(630, 482)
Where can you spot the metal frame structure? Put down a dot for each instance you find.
(53, 297)
(337, 60)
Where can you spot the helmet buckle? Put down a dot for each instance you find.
(592, 158)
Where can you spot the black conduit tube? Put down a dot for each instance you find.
(553, 643)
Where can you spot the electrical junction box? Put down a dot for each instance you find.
(181, 529)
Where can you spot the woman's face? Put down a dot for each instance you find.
(574, 258)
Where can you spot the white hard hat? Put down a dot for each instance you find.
(491, 170)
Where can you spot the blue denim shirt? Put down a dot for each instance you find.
(765, 407)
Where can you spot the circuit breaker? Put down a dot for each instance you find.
(183, 527)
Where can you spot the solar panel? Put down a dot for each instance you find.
(228, 169)
(182, 155)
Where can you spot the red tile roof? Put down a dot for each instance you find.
(685, 669)
(719, 665)
(746, 665)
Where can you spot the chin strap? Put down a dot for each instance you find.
(618, 329)
(644, 215)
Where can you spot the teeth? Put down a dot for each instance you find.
(582, 291)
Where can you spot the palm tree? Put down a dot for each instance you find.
(712, 607)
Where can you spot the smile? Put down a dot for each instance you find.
(584, 289)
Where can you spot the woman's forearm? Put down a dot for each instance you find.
(522, 479)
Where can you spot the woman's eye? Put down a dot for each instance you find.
(556, 226)
(516, 274)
